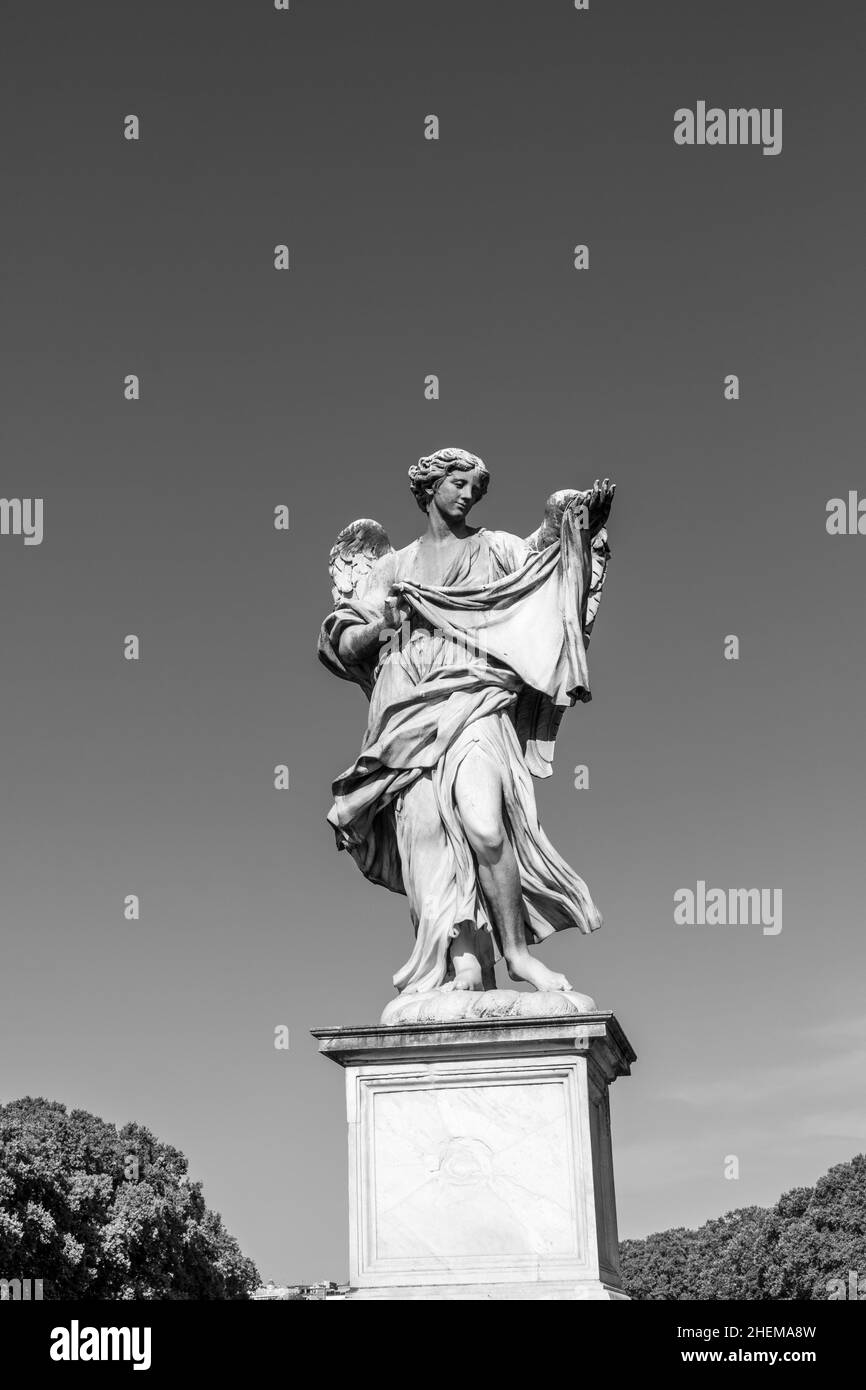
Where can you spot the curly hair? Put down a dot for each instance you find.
(426, 475)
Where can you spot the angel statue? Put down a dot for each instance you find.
(469, 644)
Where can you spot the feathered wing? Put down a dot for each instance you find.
(600, 558)
(353, 555)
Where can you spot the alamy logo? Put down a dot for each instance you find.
(76, 1343)
(737, 126)
(22, 516)
(716, 907)
(846, 518)
(20, 1290)
(852, 1287)
(399, 639)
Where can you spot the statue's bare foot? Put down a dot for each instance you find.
(467, 975)
(465, 962)
(531, 971)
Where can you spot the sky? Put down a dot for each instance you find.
(411, 257)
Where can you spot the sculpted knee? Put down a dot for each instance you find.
(487, 839)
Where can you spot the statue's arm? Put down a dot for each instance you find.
(358, 640)
(591, 507)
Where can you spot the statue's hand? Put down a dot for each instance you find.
(395, 610)
(598, 501)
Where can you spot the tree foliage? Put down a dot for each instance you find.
(793, 1250)
(100, 1212)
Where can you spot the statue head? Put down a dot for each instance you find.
(427, 476)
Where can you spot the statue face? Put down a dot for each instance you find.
(457, 493)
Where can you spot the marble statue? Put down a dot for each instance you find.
(469, 644)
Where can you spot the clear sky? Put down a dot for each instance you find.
(411, 257)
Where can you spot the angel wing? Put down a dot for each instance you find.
(354, 553)
(600, 558)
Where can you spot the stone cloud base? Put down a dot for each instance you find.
(480, 1157)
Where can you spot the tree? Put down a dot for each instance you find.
(658, 1267)
(97, 1212)
(793, 1250)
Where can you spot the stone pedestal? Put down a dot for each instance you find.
(480, 1157)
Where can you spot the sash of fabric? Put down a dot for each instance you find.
(532, 621)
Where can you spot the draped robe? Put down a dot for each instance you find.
(489, 659)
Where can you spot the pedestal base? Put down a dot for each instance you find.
(479, 1158)
(542, 1289)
